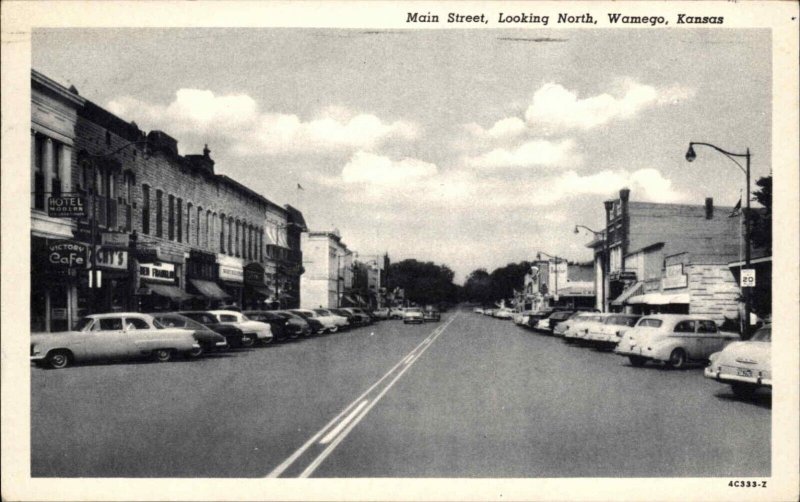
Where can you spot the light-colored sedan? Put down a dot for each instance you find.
(340, 321)
(111, 337)
(674, 339)
(503, 313)
(261, 330)
(745, 366)
(329, 324)
(579, 325)
(610, 332)
(478, 310)
(412, 315)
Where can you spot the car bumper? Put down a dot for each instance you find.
(723, 377)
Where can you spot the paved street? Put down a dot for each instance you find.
(470, 396)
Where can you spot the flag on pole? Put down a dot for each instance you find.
(737, 209)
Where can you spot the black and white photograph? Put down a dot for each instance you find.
(382, 247)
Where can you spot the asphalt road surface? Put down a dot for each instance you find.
(470, 396)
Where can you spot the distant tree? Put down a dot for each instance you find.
(761, 221)
(478, 287)
(423, 282)
(505, 280)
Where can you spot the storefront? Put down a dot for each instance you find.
(112, 289)
(202, 274)
(159, 287)
(56, 266)
(256, 292)
(231, 278)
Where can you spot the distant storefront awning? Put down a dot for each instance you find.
(635, 289)
(209, 289)
(171, 292)
(659, 299)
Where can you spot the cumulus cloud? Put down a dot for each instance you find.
(531, 154)
(374, 169)
(504, 128)
(553, 105)
(237, 119)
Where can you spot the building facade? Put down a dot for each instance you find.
(328, 270)
(668, 258)
(163, 230)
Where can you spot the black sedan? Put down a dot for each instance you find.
(278, 323)
(234, 336)
(208, 339)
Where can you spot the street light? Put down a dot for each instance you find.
(604, 264)
(690, 156)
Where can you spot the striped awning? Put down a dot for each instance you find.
(635, 289)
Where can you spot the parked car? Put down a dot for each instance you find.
(296, 326)
(121, 335)
(342, 321)
(674, 339)
(580, 324)
(313, 322)
(381, 314)
(276, 323)
(489, 311)
(744, 365)
(261, 330)
(364, 315)
(208, 339)
(503, 313)
(431, 313)
(352, 319)
(396, 313)
(233, 335)
(329, 324)
(548, 322)
(608, 334)
(478, 310)
(412, 315)
(560, 328)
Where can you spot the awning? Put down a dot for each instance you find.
(262, 290)
(209, 289)
(171, 292)
(659, 299)
(631, 291)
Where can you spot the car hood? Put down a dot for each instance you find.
(748, 353)
(54, 337)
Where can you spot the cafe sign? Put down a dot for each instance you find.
(66, 206)
(67, 254)
(157, 272)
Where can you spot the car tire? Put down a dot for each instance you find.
(677, 359)
(59, 359)
(247, 341)
(334, 329)
(743, 391)
(267, 341)
(195, 353)
(637, 361)
(162, 355)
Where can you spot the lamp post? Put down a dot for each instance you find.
(90, 160)
(557, 261)
(690, 156)
(604, 262)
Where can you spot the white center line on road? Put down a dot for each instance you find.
(322, 456)
(332, 434)
(313, 439)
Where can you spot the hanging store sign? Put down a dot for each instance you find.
(66, 206)
(109, 258)
(157, 272)
(67, 254)
(115, 239)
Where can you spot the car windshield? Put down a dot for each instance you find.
(84, 324)
(322, 312)
(762, 335)
(649, 323)
(201, 317)
(177, 321)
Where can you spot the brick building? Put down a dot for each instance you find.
(668, 258)
(168, 230)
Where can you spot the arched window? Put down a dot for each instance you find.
(146, 209)
(189, 207)
(197, 228)
(222, 233)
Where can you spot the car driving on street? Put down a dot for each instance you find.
(413, 315)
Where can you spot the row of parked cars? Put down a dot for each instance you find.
(674, 340)
(164, 335)
(410, 315)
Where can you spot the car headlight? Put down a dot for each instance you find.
(35, 350)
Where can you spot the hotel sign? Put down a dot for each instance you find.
(66, 206)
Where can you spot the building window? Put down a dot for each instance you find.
(38, 171)
(222, 233)
(206, 241)
(179, 225)
(56, 181)
(145, 209)
(230, 235)
(159, 213)
(189, 222)
(197, 229)
(171, 217)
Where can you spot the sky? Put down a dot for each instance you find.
(469, 148)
